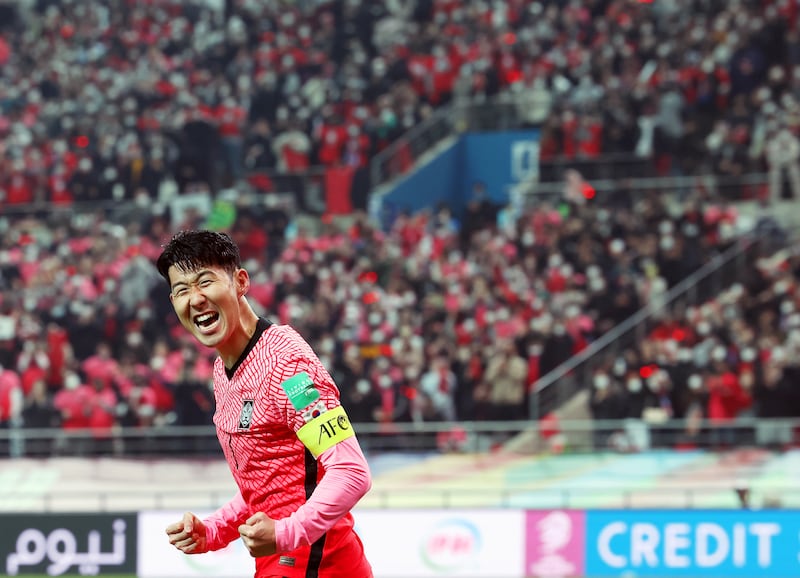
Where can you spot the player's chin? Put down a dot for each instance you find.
(208, 339)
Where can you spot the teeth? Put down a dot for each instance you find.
(203, 318)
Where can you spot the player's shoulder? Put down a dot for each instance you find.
(285, 345)
(284, 338)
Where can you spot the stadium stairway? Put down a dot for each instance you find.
(533, 441)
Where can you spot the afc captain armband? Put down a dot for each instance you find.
(325, 431)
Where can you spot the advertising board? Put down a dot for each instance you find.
(405, 543)
(84, 544)
(696, 543)
(158, 558)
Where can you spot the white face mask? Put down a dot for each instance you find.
(71, 382)
(363, 386)
(601, 382)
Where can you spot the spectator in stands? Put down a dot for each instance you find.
(776, 400)
(436, 400)
(39, 412)
(501, 393)
(608, 401)
(783, 160)
(12, 401)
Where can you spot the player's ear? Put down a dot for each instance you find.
(242, 281)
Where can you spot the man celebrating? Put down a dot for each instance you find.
(286, 437)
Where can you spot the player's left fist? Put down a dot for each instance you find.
(258, 535)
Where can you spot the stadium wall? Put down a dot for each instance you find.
(500, 160)
(491, 543)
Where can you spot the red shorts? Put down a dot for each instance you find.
(338, 554)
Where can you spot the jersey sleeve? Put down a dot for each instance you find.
(308, 401)
(347, 478)
(222, 527)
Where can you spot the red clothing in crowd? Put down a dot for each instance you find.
(726, 397)
(10, 394)
(74, 405)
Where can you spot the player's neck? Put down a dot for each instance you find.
(235, 345)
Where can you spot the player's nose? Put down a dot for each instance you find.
(196, 296)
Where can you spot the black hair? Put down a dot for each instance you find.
(189, 250)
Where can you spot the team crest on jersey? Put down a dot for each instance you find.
(246, 415)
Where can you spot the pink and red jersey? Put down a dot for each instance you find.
(259, 428)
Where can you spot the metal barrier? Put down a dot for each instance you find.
(623, 178)
(398, 498)
(534, 474)
(527, 437)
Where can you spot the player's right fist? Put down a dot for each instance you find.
(188, 535)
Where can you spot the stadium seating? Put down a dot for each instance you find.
(181, 104)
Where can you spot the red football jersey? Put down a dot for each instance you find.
(257, 424)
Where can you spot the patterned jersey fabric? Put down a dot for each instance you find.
(257, 427)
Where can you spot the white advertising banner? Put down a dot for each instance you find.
(467, 543)
(399, 544)
(158, 558)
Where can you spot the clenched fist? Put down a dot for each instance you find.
(258, 535)
(188, 535)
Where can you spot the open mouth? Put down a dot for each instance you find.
(206, 320)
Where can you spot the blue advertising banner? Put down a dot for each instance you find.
(703, 543)
(499, 160)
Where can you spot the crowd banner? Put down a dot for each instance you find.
(58, 544)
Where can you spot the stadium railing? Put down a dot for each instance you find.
(589, 444)
(627, 178)
(526, 437)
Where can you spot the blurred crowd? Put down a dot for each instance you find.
(122, 99)
(436, 319)
(441, 316)
(736, 355)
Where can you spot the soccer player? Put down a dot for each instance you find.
(286, 437)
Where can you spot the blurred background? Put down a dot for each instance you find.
(547, 249)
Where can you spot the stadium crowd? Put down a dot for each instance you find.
(435, 319)
(114, 99)
(734, 355)
(438, 317)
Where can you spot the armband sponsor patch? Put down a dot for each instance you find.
(300, 390)
(325, 431)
